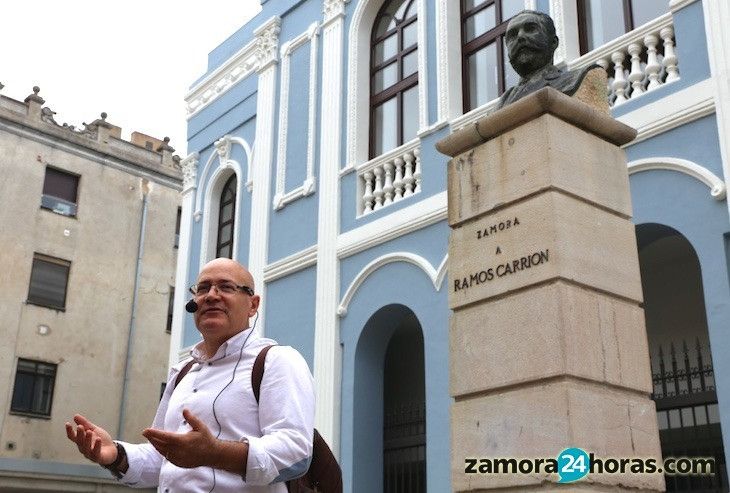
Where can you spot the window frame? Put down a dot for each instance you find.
(232, 184)
(48, 260)
(402, 85)
(629, 24)
(494, 35)
(48, 199)
(36, 377)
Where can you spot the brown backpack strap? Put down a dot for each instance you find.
(257, 374)
(183, 371)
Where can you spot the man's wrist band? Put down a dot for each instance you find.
(114, 466)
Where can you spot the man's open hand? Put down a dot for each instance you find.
(92, 441)
(198, 447)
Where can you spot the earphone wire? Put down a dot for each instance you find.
(233, 377)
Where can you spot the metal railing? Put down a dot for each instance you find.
(404, 450)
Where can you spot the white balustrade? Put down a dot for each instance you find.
(637, 62)
(389, 178)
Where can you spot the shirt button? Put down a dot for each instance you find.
(185, 422)
(167, 490)
(210, 364)
(195, 390)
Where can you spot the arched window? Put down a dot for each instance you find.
(394, 76)
(226, 219)
(486, 69)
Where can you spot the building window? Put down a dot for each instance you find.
(48, 282)
(485, 64)
(394, 76)
(170, 306)
(226, 219)
(604, 20)
(33, 391)
(177, 226)
(60, 192)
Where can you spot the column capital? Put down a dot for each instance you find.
(189, 167)
(333, 9)
(267, 43)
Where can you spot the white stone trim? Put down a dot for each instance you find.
(291, 264)
(671, 111)
(422, 66)
(675, 5)
(407, 220)
(565, 17)
(717, 187)
(333, 10)
(436, 275)
(282, 197)
(189, 165)
(717, 17)
(448, 59)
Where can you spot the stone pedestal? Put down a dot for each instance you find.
(548, 348)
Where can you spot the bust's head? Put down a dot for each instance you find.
(531, 41)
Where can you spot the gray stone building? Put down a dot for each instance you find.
(88, 233)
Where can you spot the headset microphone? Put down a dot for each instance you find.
(191, 306)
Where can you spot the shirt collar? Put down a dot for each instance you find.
(233, 344)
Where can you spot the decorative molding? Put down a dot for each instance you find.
(717, 187)
(267, 43)
(253, 57)
(672, 111)
(422, 66)
(281, 197)
(565, 16)
(222, 152)
(189, 167)
(436, 275)
(675, 5)
(333, 10)
(291, 264)
(407, 220)
(213, 192)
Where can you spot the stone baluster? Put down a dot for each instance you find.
(398, 182)
(636, 77)
(378, 191)
(670, 56)
(417, 172)
(388, 187)
(619, 78)
(409, 179)
(368, 195)
(653, 67)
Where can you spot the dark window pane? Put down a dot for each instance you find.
(483, 76)
(384, 24)
(224, 251)
(385, 126)
(510, 8)
(385, 49)
(604, 21)
(33, 389)
(385, 78)
(410, 35)
(410, 113)
(646, 10)
(403, 10)
(61, 185)
(226, 233)
(227, 212)
(226, 219)
(48, 281)
(410, 64)
(470, 4)
(479, 23)
(170, 306)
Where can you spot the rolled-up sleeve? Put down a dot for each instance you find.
(286, 420)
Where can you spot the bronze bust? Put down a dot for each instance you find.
(531, 42)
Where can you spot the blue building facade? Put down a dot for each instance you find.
(313, 161)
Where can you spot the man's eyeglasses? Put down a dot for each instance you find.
(224, 287)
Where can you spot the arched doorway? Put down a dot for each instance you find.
(389, 438)
(681, 360)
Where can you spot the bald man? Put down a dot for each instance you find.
(209, 433)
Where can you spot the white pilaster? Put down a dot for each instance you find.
(267, 40)
(565, 17)
(190, 171)
(327, 353)
(717, 17)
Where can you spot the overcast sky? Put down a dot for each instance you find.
(134, 59)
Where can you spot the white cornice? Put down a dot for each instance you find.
(291, 264)
(675, 5)
(189, 167)
(253, 57)
(713, 182)
(412, 218)
(669, 112)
